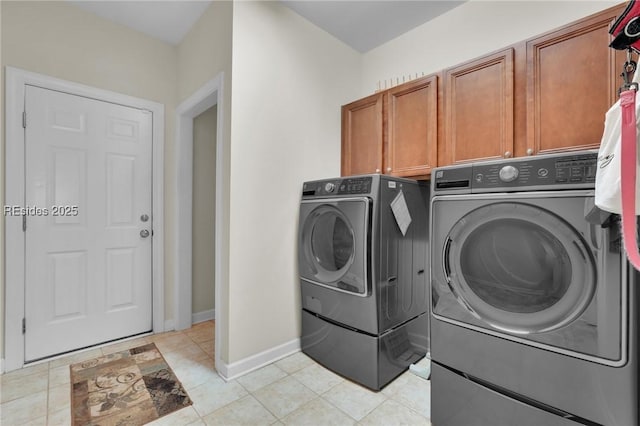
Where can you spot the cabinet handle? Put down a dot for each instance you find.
(388, 169)
(377, 170)
(507, 154)
(530, 151)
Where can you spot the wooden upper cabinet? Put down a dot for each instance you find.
(362, 136)
(572, 80)
(412, 128)
(479, 108)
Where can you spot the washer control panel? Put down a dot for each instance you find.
(545, 170)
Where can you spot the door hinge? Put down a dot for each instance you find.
(24, 119)
(24, 325)
(24, 223)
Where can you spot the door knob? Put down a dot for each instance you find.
(507, 154)
(388, 169)
(144, 217)
(530, 151)
(144, 233)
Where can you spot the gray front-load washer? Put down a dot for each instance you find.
(534, 307)
(363, 268)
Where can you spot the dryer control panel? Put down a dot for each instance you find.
(555, 171)
(535, 172)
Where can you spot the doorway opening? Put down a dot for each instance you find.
(189, 272)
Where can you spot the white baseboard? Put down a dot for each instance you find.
(249, 364)
(203, 316)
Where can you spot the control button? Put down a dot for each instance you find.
(561, 180)
(508, 174)
(576, 179)
(342, 187)
(577, 171)
(329, 187)
(543, 172)
(479, 177)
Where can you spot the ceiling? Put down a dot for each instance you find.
(361, 24)
(364, 25)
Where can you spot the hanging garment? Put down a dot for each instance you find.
(617, 172)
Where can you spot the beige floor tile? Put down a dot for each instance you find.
(261, 377)
(182, 417)
(318, 413)
(193, 373)
(209, 347)
(198, 422)
(59, 376)
(397, 384)
(214, 394)
(246, 411)
(60, 418)
(415, 394)
(295, 362)
(188, 352)
(201, 334)
(42, 421)
(318, 378)
(393, 413)
(121, 346)
(59, 397)
(173, 343)
(75, 358)
(284, 396)
(353, 399)
(20, 386)
(23, 410)
(26, 371)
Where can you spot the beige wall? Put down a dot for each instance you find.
(204, 207)
(473, 29)
(63, 41)
(289, 80)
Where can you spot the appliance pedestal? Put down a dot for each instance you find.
(456, 400)
(372, 361)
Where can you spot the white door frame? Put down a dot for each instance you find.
(14, 239)
(204, 98)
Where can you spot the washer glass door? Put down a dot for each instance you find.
(530, 268)
(333, 243)
(519, 268)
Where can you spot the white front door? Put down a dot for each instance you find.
(88, 222)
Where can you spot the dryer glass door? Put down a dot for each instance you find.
(333, 243)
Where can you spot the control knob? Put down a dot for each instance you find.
(508, 174)
(329, 187)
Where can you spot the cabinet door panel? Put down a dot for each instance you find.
(571, 83)
(362, 136)
(413, 128)
(479, 109)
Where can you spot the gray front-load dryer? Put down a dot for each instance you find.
(363, 268)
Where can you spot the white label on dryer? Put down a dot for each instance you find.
(401, 212)
(392, 184)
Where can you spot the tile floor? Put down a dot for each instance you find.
(292, 391)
